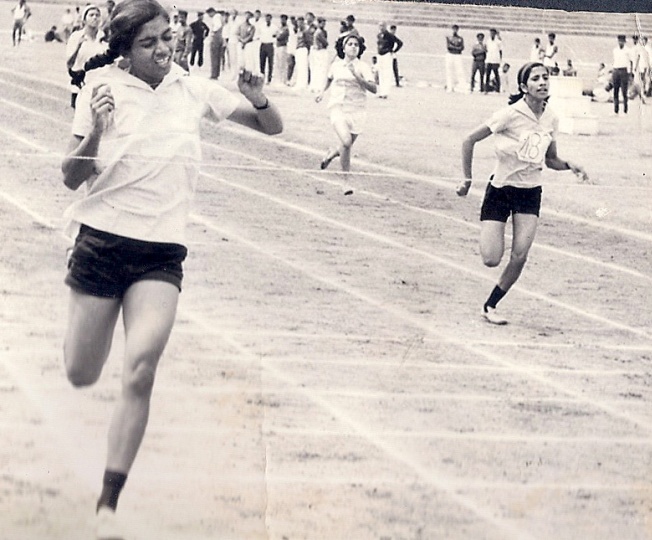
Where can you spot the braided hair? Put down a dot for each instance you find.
(522, 78)
(126, 20)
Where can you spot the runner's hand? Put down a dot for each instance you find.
(463, 187)
(102, 106)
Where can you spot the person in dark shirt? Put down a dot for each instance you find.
(53, 35)
(479, 53)
(387, 44)
(200, 31)
(399, 44)
(454, 74)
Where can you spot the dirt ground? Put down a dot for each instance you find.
(329, 375)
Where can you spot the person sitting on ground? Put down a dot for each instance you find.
(53, 35)
(569, 70)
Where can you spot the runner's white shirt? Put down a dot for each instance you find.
(148, 161)
(521, 142)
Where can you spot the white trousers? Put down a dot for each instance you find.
(385, 74)
(454, 73)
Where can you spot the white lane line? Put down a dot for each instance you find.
(384, 198)
(418, 322)
(480, 436)
(434, 478)
(444, 182)
(447, 183)
(396, 311)
(382, 239)
(434, 213)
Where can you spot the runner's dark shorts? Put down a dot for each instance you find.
(500, 203)
(105, 264)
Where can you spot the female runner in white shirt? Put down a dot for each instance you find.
(136, 147)
(349, 79)
(525, 135)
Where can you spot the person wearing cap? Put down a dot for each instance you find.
(453, 62)
(622, 67)
(525, 134)
(84, 44)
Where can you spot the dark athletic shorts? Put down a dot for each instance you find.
(500, 203)
(105, 264)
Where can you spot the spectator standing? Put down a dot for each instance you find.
(397, 47)
(494, 59)
(67, 22)
(453, 63)
(217, 44)
(258, 23)
(319, 57)
(647, 86)
(550, 53)
(281, 50)
(21, 13)
(267, 39)
(622, 67)
(479, 54)
(183, 41)
(387, 44)
(301, 56)
(233, 44)
(200, 31)
(293, 28)
(641, 60)
(246, 31)
(536, 52)
(311, 28)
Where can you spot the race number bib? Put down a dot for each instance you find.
(533, 147)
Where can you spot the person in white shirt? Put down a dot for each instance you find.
(136, 148)
(641, 59)
(21, 13)
(267, 38)
(622, 67)
(537, 52)
(83, 45)
(494, 58)
(349, 79)
(550, 52)
(525, 135)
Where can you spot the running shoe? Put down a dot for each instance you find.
(107, 527)
(492, 317)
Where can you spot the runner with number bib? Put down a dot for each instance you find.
(525, 134)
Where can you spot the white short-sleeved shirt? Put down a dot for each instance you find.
(346, 91)
(148, 160)
(494, 48)
(88, 49)
(521, 142)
